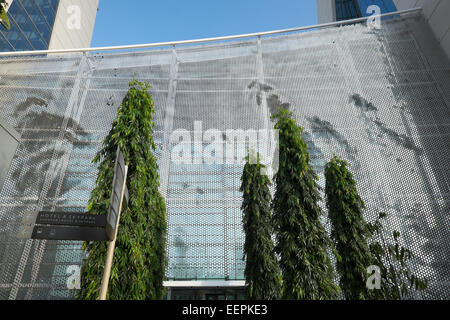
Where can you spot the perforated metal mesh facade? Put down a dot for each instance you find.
(371, 96)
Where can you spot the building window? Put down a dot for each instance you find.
(347, 9)
(351, 9)
(386, 6)
(31, 25)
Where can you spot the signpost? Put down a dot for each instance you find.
(119, 190)
(82, 226)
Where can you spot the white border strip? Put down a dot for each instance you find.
(204, 284)
(174, 43)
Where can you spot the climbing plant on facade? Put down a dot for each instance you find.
(349, 230)
(4, 20)
(262, 273)
(140, 258)
(398, 280)
(302, 241)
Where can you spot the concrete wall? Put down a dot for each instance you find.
(437, 14)
(66, 34)
(9, 140)
(326, 11)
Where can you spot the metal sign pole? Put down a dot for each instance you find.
(112, 245)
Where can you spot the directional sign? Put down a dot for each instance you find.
(69, 226)
(80, 226)
(119, 189)
(69, 233)
(62, 226)
(71, 219)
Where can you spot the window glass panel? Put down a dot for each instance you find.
(31, 25)
(54, 4)
(386, 6)
(4, 44)
(347, 9)
(47, 10)
(39, 20)
(23, 25)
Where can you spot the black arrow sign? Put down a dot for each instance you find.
(69, 233)
(81, 226)
(69, 226)
(71, 219)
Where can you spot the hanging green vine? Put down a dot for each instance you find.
(262, 273)
(302, 241)
(140, 258)
(349, 230)
(4, 20)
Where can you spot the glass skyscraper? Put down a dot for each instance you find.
(351, 9)
(31, 25)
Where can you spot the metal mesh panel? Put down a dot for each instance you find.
(370, 96)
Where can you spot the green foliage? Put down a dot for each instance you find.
(4, 20)
(302, 241)
(140, 257)
(349, 230)
(397, 279)
(262, 273)
(351, 234)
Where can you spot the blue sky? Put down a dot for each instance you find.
(143, 21)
